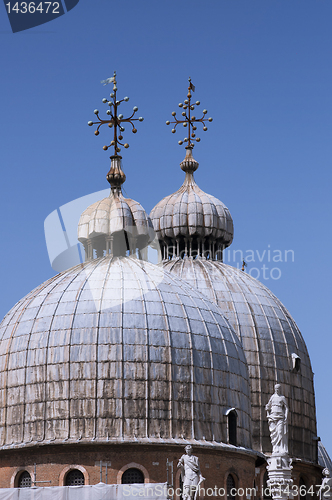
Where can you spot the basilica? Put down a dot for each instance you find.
(112, 367)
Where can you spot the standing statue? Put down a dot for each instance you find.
(190, 474)
(325, 491)
(277, 413)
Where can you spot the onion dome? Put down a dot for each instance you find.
(191, 222)
(115, 225)
(272, 343)
(118, 350)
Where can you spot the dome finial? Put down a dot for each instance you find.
(188, 119)
(116, 120)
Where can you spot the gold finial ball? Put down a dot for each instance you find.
(185, 124)
(180, 104)
(112, 143)
(205, 129)
(90, 124)
(198, 103)
(126, 145)
(134, 130)
(198, 139)
(168, 122)
(120, 137)
(180, 143)
(173, 113)
(186, 101)
(173, 130)
(204, 111)
(210, 119)
(96, 132)
(105, 148)
(110, 125)
(183, 113)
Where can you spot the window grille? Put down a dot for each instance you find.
(132, 476)
(230, 486)
(75, 478)
(24, 480)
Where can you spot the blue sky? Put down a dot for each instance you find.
(263, 70)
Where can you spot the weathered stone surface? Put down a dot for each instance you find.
(119, 350)
(269, 336)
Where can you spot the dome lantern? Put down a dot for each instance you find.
(116, 225)
(189, 222)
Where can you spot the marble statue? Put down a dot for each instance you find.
(190, 474)
(277, 413)
(325, 491)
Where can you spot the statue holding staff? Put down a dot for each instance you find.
(277, 413)
(190, 474)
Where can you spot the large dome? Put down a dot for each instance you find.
(273, 345)
(118, 350)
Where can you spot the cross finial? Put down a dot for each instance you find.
(116, 120)
(189, 120)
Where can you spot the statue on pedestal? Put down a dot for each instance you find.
(325, 491)
(277, 413)
(190, 474)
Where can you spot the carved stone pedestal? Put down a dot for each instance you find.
(280, 477)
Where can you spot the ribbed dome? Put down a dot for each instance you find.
(191, 214)
(119, 350)
(114, 225)
(114, 214)
(273, 346)
(323, 457)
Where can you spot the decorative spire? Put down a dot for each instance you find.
(189, 120)
(116, 120)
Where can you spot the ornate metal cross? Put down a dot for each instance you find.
(116, 120)
(189, 120)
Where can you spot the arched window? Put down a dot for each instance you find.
(232, 424)
(231, 487)
(303, 490)
(74, 478)
(266, 490)
(24, 480)
(132, 476)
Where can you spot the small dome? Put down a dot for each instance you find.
(115, 225)
(192, 214)
(272, 343)
(114, 214)
(118, 350)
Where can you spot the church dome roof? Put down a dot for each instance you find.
(272, 343)
(115, 215)
(324, 459)
(119, 350)
(190, 213)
